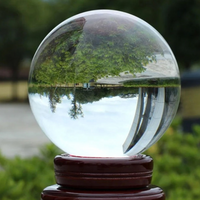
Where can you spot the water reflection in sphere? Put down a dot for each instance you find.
(104, 84)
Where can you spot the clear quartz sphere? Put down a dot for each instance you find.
(104, 83)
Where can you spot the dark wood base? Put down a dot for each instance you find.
(84, 178)
(56, 192)
(103, 173)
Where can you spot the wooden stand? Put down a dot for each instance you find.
(103, 178)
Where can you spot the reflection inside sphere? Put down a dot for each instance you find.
(104, 84)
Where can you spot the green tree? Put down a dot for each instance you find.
(23, 25)
(54, 99)
(80, 96)
(181, 28)
(106, 47)
(177, 20)
(76, 109)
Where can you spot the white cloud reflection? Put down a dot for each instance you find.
(100, 133)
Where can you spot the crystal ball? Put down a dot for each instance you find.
(104, 83)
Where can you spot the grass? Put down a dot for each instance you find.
(153, 82)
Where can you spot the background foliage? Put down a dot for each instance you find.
(24, 23)
(176, 168)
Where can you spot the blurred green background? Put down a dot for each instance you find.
(23, 25)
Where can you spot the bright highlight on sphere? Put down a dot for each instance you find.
(104, 84)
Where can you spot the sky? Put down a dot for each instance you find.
(100, 133)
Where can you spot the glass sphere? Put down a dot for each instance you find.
(104, 83)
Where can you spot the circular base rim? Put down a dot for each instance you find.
(103, 173)
(147, 193)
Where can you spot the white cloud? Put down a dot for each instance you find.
(101, 132)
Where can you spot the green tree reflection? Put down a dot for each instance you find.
(80, 96)
(76, 109)
(54, 98)
(87, 49)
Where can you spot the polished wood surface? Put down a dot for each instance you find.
(103, 173)
(81, 178)
(57, 192)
